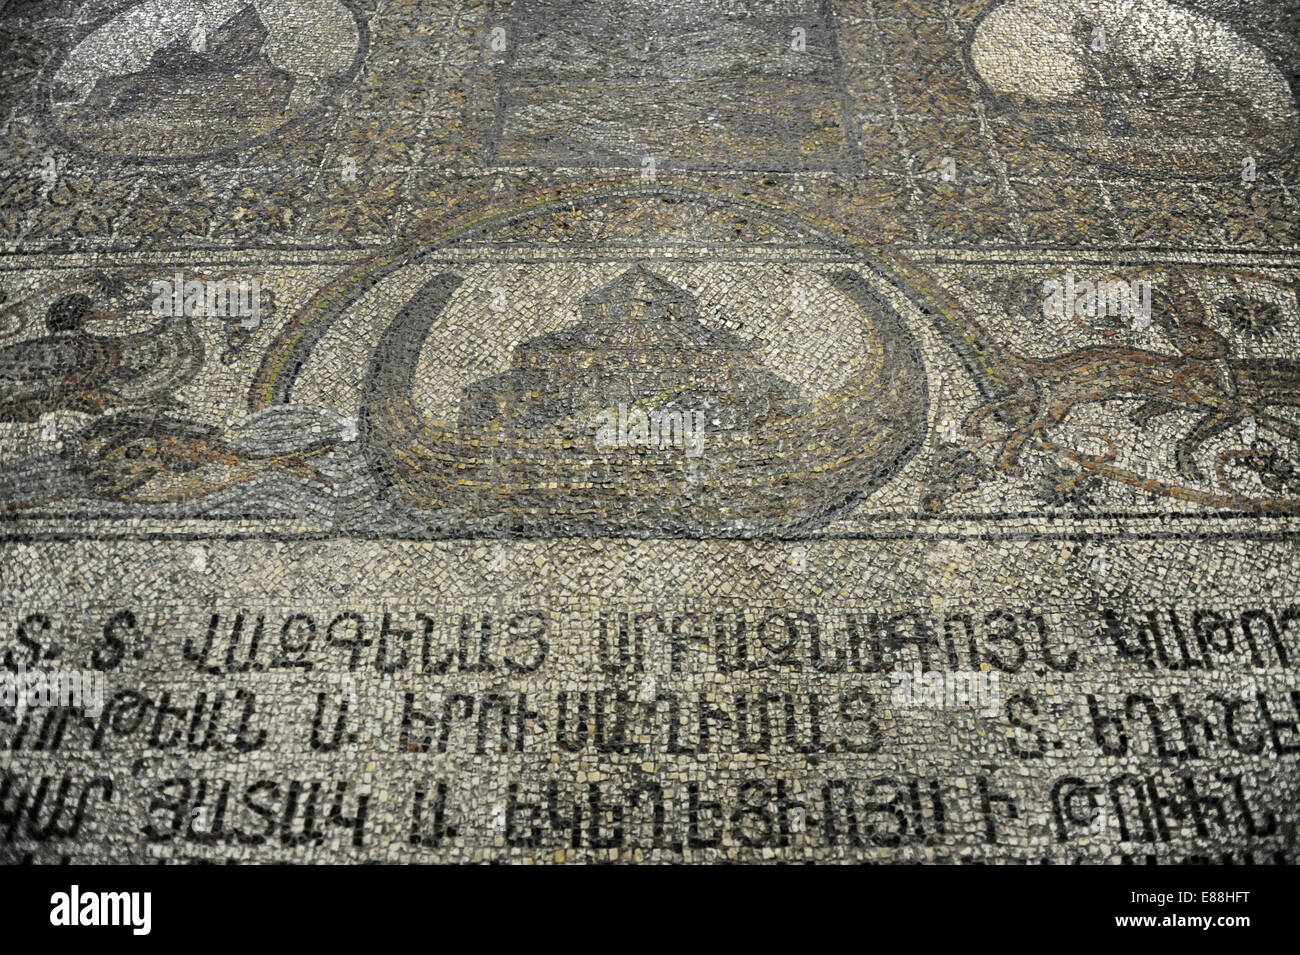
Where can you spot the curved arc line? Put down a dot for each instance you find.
(975, 347)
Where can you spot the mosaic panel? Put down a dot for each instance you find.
(457, 431)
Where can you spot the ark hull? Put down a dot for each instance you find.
(789, 468)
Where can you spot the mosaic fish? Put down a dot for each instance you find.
(143, 457)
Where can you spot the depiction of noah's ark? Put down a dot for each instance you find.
(524, 455)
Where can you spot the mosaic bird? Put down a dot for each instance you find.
(71, 369)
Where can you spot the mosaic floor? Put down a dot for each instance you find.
(677, 431)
